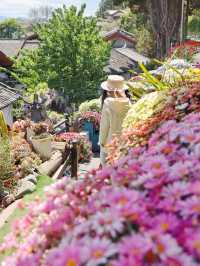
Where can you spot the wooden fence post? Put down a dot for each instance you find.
(74, 160)
(66, 122)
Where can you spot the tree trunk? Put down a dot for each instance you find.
(165, 18)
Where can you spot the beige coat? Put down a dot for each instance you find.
(113, 114)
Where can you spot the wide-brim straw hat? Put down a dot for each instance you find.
(114, 83)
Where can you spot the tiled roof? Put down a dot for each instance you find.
(120, 34)
(124, 59)
(11, 48)
(133, 55)
(119, 63)
(7, 96)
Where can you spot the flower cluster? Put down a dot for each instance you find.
(90, 116)
(144, 117)
(21, 125)
(143, 210)
(24, 159)
(85, 147)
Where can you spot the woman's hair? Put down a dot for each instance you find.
(105, 95)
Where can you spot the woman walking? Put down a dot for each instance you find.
(115, 105)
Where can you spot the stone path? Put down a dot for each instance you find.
(87, 167)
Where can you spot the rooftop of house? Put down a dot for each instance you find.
(133, 55)
(118, 34)
(5, 61)
(7, 96)
(124, 59)
(12, 48)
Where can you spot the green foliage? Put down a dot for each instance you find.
(5, 159)
(93, 105)
(71, 56)
(194, 24)
(145, 43)
(103, 6)
(129, 22)
(17, 110)
(28, 69)
(138, 24)
(153, 81)
(11, 29)
(55, 117)
(132, 22)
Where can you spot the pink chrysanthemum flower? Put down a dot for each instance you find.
(98, 250)
(157, 165)
(166, 246)
(190, 206)
(65, 256)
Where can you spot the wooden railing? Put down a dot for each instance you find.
(70, 161)
(64, 162)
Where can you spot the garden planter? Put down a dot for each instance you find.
(42, 146)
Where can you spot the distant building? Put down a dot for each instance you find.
(123, 56)
(12, 48)
(122, 60)
(113, 14)
(120, 38)
(5, 61)
(7, 97)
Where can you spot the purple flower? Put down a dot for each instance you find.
(157, 165)
(65, 256)
(99, 250)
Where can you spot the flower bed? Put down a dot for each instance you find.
(85, 148)
(150, 112)
(143, 210)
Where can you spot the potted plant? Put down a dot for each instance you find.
(41, 140)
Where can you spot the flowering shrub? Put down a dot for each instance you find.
(93, 117)
(21, 125)
(24, 160)
(6, 168)
(144, 108)
(85, 148)
(145, 117)
(184, 51)
(143, 210)
(92, 105)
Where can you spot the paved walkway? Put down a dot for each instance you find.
(87, 167)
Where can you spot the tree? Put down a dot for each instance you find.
(103, 6)
(11, 29)
(194, 24)
(165, 17)
(40, 14)
(144, 43)
(71, 57)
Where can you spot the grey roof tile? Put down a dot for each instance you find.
(7, 96)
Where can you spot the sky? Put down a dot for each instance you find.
(20, 8)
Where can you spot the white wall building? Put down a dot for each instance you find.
(7, 98)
